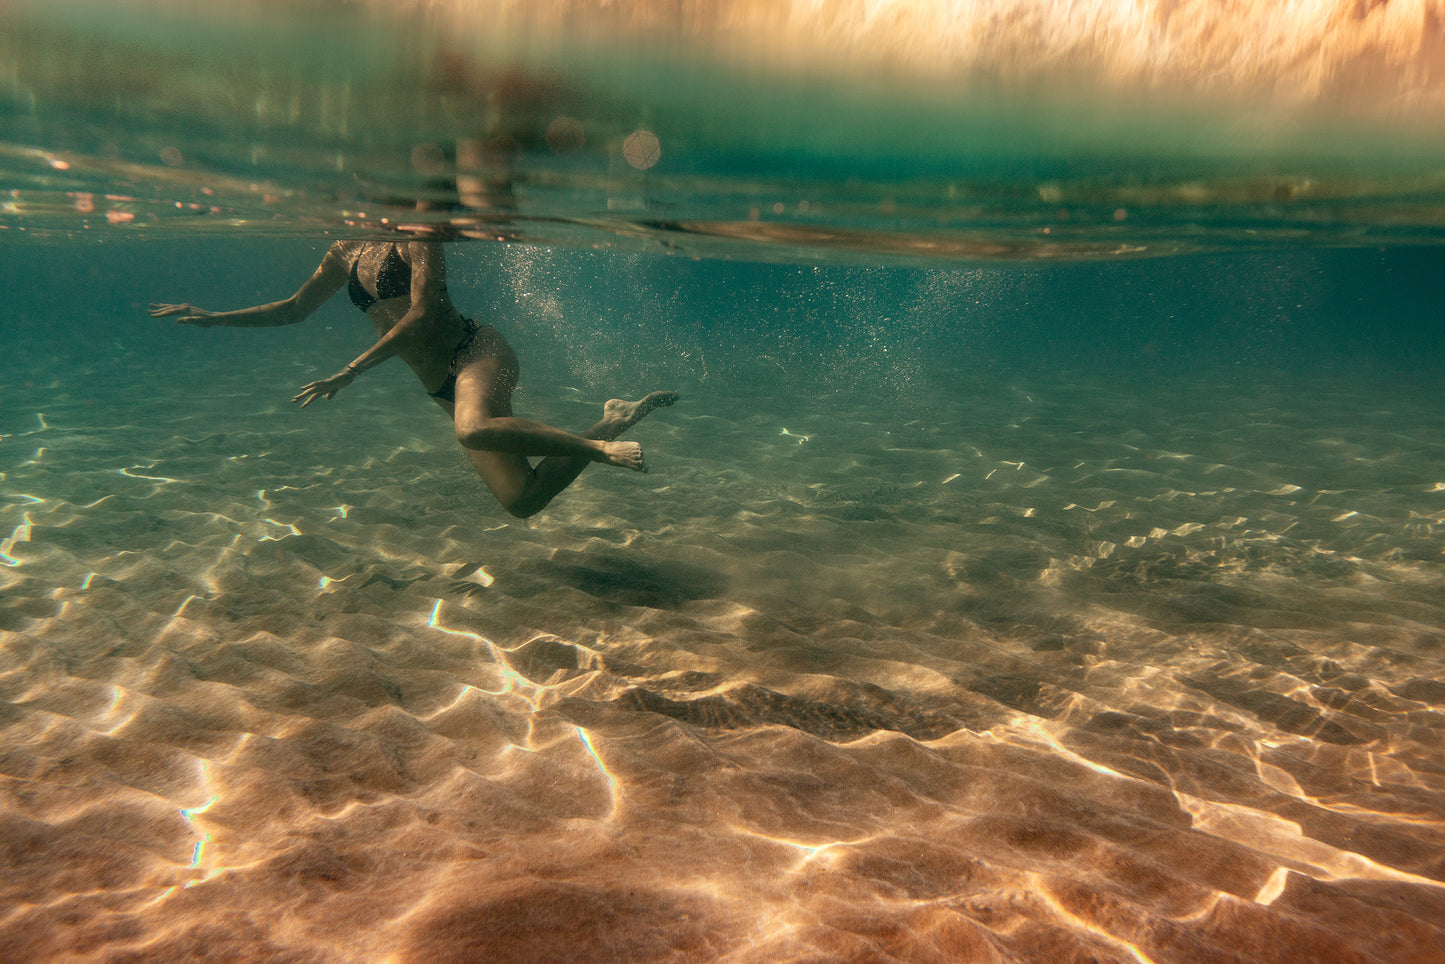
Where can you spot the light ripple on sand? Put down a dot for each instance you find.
(1163, 694)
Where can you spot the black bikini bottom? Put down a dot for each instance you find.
(448, 391)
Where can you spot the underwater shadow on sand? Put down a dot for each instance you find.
(624, 580)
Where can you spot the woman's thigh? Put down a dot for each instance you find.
(486, 379)
(484, 391)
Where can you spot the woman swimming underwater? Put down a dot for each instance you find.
(467, 367)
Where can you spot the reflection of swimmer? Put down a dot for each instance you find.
(467, 367)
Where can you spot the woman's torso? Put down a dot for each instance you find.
(380, 284)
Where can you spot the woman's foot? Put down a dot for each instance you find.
(626, 455)
(618, 416)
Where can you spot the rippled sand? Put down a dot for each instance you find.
(1045, 672)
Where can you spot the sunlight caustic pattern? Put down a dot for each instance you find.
(1132, 696)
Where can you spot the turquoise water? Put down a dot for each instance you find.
(1043, 562)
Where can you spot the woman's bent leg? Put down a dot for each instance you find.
(498, 442)
(617, 417)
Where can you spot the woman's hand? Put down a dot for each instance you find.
(185, 314)
(325, 387)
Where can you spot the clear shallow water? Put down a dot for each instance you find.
(974, 609)
(1051, 641)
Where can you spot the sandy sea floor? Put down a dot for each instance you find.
(1048, 668)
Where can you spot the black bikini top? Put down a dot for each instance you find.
(393, 280)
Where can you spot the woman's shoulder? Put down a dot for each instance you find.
(423, 249)
(409, 249)
(342, 252)
(347, 249)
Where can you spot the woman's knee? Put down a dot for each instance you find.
(523, 506)
(524, 502)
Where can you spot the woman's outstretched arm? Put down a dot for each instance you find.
(328, 278)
